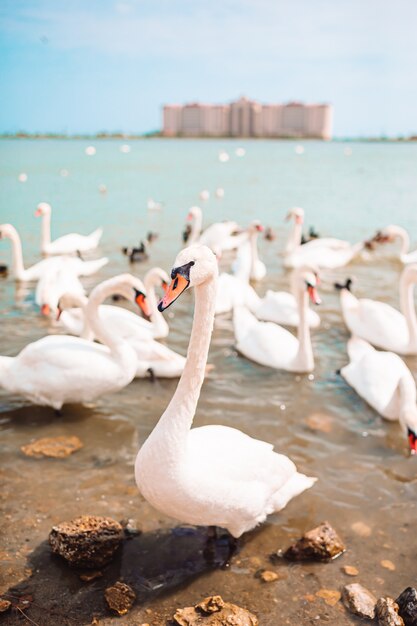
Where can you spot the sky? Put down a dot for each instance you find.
(85, 66)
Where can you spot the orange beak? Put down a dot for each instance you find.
(314, 296)
(298, 219)
(38, 213)
(189, 217)
(45, 309)
(174, 290)
(142, 303)
(260, 228)
(412, 440)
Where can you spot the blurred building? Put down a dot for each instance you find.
(248, 118)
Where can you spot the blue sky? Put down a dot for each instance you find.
(91, 65)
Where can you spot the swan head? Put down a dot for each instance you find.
(6, 231)
(297, 214)
(157, 276)
(192, 267)
(306, 280)
(43, 208)
(194, 212)
(130, 287)
(389, 234)
(69, 300)
(255, 227)
(408, 421)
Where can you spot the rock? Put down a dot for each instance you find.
(320, 422)
(87, 541)
(388, 565)
(330, 596)
(214, 611)
(359, 600)
(386, 612)
(268, 576)
(4, 605)
(130, 528)
(361, 529)
(350, 570)
(88, 577)
(55, 447)
(120, 598)
(407, 602)
(319, 544)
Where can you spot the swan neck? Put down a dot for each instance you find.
(45, 231)
(254, 252)
(405, 240)
(171, 432)
(294, 239)
(407, 306)
(196, 227)
(94, 322)
(17, 255)
(305, 357)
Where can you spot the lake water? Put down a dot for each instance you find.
(347, 190)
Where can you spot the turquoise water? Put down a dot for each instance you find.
(360, 460)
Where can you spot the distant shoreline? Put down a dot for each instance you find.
(157, 135)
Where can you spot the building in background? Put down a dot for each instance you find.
(248, 118)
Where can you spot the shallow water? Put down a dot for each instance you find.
(361, 461)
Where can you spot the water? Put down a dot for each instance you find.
(361, 462)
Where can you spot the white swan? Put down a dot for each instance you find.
(248, 254)
(384, 381)
(378, 322)
(67, 244)
(219, 237)
(72, 305)
(271, 345)
(212, 475)
(325, 252)
(78, 266)
(152, 358)
(390, 234)
(53, 284)
(60, 368)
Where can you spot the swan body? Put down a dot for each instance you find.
(67, 244)
(280, 307)
(393, 232)
(381, 324)
(212, 475)
(273, 346)
(36, 271)
(59, 368)
(384, 381)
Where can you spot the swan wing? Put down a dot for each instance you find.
(377, 322)
(281, 307)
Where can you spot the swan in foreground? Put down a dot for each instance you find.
(213, 475)
(60, 368)
(273, 346)
(67, 244)
(219, 237)
(153, 358)
(390, 234)
(378, 322)
(384, 381)
(36, 271)
(324, 252)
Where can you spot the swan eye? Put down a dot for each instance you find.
(175, 285)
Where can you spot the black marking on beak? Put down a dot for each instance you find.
(183, 270)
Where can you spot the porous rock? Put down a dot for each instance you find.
(319, 544)
(54, 447)
(87, 541)
(120, 598)
(386, 612)
(4, 605)
(407, 602)
(358, 600)
(214, 611)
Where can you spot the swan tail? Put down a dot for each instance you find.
(346, 285)
(357, 348)
(96, 235)
(292, 488)
(243, 320)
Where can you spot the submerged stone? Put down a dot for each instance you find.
(319, 544)
(87, 541)
(407, 602)
(54, 447)
(386, 612)
(120, 598)
(214, 611)
(358, 600)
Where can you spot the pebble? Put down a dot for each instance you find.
(330, 596)
(88, 577)
(4, 605)
(407, 601)
(319, 544)
(87, 541)
(214, 611)
(388, 565)
(320, 422)
(54, 447)
(268, 576)
(350, 570)
(120, 598)
(359, 600)
(386, 612)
